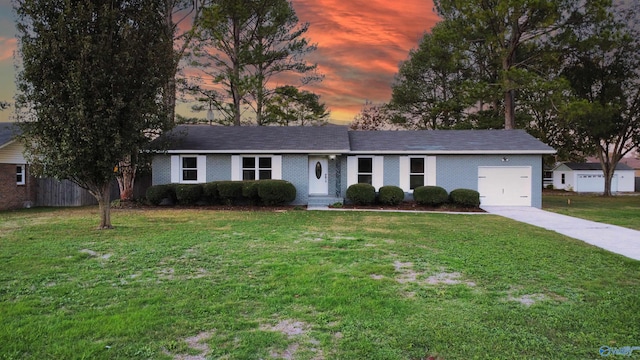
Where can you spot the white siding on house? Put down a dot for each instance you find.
(175, 169)
(429, 171)
(377, 171)
(12, 154)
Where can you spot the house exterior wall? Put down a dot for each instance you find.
(12, 154)
(161, 170)
(452, 172)
(461, 171)
(295, 169)
(12, 195)
(624, 179)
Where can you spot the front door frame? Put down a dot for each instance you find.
(318, 186)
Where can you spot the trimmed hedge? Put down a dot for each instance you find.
(390, 195)
(156, 193)
(230, 191)
(250, 191)
(188, 194)
(430, 195)
(361, 194)
(210, 192)
(276, 192)
(465, 198)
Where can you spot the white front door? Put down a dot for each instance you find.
(318, 175)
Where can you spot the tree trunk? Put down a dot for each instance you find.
(126, 178)
(509, 110)
(103, 194)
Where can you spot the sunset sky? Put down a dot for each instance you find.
(360, 45)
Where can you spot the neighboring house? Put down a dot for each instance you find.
(635, 165)
(588, 177)
(17, 186)
(505, 166)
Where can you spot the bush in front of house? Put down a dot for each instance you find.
(250, 191)
(465, 198)
(430, 195)
(230, 191)
(156, 193)
(188, 194)
(210, 192)
(275, 192)
(390, 195)
(361, 194)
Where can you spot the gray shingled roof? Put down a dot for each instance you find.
(338, 139)
(593, 166)
(7, 132)
(206, 138)
(447, 141)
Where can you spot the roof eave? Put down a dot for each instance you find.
(7, 143)
(455, 152)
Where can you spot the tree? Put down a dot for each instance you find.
(427, 90)
(175, 14)
(90, 87)
(375, 117)
(292, 107)
(494, 34)
(603, 69)
(243, 44)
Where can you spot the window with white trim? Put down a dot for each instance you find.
(189, 168)
(20, 174)
(257, 168)
(562, 178)
(365, 170)
(416, 172)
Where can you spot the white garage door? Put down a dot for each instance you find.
(504, 185)
(595, 183)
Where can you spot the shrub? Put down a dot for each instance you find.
(361, 194)
(276, 192)
(250, 191)
(390, 195)
(188, 194)
(430, 195)
(465, 197)
(210, 192)
(156, 193)
(230, 191)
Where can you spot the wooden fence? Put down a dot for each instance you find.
(51, 192)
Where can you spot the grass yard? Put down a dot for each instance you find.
(616, 210)
(168, 284)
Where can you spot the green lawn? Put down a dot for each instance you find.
(306, 285)
(616, 210)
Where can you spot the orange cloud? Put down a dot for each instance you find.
(7, 47)
(360, 46)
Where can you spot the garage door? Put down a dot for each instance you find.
(504, 185)
(595, 183)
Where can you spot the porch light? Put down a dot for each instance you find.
(505, 159)
(332, 157)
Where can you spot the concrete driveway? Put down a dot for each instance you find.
(614, 238)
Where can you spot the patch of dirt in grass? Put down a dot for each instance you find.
(195, 343)
(287, 327)
(294, 330)
(95, 254)
(408, 275)
(528, 299)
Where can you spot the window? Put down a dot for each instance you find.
(20, 175)
(256, 168)
(562, 179)
(416, 172)
(365, 170)
(189, 168)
